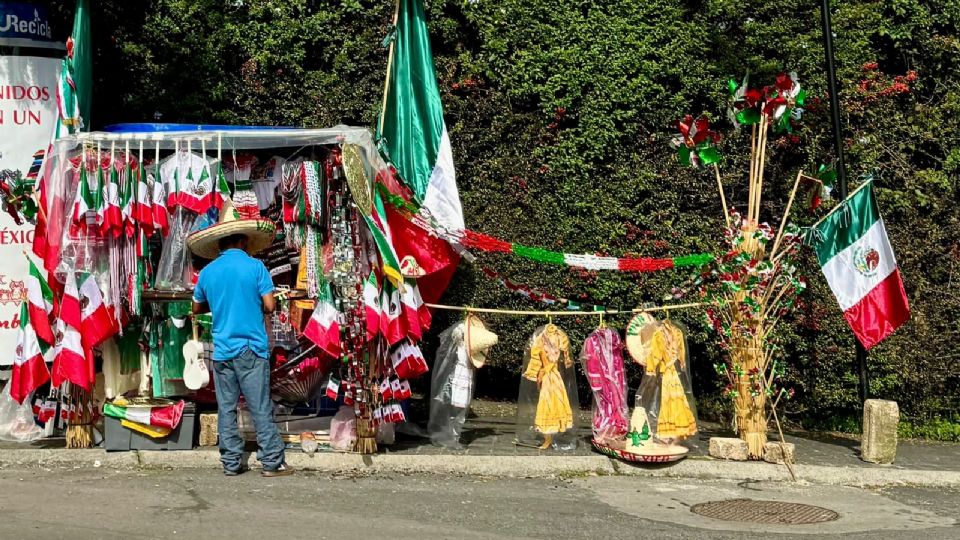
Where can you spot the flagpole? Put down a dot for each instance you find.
(842, 203)
(841, 166)
(386, 80)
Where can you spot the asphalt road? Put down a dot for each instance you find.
(93, 504)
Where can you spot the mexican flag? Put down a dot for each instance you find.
(128, 190)
(29, 370)
(112, 215)
(410, 298)
(96, 322)
(40, 304)
(83, 203)
(858, 262)
(415, 140)
(161, 218)
(72, 361)
(167, 416)
(371, 305)
(323, 328)
(143, 205)
(392, 324)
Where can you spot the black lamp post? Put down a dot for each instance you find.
(841, 166)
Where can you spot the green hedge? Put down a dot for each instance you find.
(561, 113)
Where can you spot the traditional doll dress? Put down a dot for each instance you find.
(554, 414)
(675, 418)
(602, 359)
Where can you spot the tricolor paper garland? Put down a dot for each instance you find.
(482, 242)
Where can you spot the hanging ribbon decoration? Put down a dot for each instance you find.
(538, 295)
(482, 242)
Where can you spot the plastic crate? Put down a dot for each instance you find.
(121, 439)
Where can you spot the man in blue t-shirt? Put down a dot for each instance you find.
(238, 290)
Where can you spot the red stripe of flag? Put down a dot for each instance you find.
(880, 312)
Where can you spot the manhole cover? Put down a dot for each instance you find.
(764, 512)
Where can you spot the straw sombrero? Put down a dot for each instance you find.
(478, 340)
(259, 233)
(638, 341)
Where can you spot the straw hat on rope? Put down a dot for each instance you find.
(478, 340)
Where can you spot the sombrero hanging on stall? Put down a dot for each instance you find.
(638, 340)
(259, 233)
(478, 340)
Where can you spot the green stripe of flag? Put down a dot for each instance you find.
(837, 234)
(412, 121)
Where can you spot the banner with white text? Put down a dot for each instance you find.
(28, 114)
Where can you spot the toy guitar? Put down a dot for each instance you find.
(196, 375)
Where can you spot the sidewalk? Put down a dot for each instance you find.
(489, 451)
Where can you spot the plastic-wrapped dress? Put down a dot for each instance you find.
(665, 389)
(602, 361)
(547, 401)
(463, 349)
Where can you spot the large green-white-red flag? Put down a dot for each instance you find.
(74, 100)
(415, 140)
(858, 262)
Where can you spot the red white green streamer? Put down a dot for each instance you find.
(482, 242)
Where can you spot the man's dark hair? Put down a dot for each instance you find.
(232, 241)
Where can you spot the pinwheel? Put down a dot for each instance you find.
(745, 103)
(695, 146)
(785, 101)
(695, 143)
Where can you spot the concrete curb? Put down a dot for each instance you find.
(497, 466)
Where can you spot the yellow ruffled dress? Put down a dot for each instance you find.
(675, 419)
(554, 414)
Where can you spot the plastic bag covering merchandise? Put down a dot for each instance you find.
(451, 388)
(665, 390)
(16, 420)
(602, 361)
(343, 429)
(547, 403)
(175, 269)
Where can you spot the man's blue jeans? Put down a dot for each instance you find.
(249, 375)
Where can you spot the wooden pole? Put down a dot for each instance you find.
(386, 80)
(723, 197)
(786, 214)
(842, 203)
(753, 171)
(760, 165)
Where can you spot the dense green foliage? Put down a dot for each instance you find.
(561, 112)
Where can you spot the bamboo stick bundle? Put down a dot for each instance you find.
(80, 431)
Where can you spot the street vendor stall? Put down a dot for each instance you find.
(121, 208)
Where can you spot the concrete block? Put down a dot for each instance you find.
(879, 441)
(774, 453)
(208, 429)
(731, 448)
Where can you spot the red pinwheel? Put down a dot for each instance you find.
(695, 143)
(785, 101)
(745, 102)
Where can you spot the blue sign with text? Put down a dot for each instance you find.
(24, 21)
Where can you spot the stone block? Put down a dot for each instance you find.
(732, 448)
(879, 441)
(208, 429)
(774, 453)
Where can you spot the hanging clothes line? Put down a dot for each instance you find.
(568, 313)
